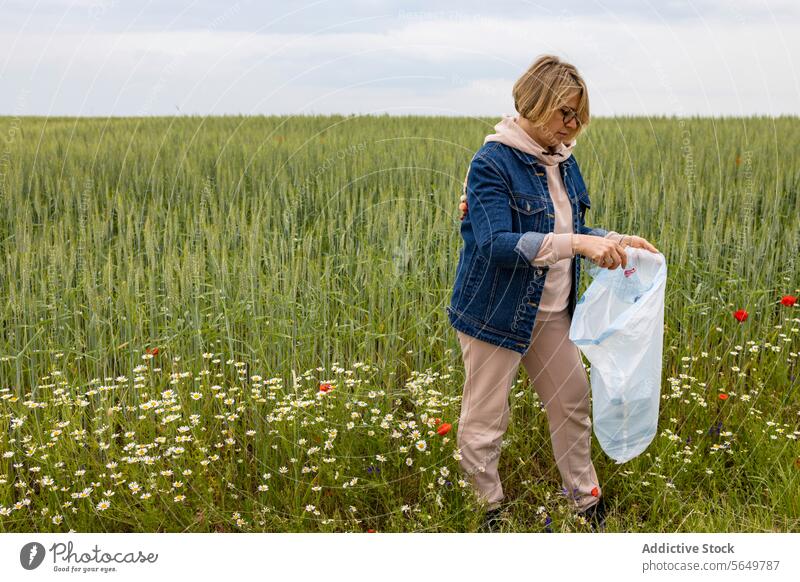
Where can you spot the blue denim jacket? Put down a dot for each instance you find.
(497, 289)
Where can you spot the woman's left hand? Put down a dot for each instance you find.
(637, 242)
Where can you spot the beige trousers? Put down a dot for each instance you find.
(554, 365)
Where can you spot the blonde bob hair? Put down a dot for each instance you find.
(546, 86)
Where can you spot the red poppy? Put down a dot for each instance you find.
(437, 421)
(325, 387)
(788, 300)
(723, 396)
(595, 492)
(371, 531)
(738, 160)
(444, 428)
(741, 315)
(152, 351)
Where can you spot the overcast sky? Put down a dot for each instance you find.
(163, 57)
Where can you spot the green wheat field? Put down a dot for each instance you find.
(237, 324)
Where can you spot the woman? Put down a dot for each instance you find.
(517, 280)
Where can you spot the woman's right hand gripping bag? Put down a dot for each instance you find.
(618, 324)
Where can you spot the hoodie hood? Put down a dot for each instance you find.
(511, 134)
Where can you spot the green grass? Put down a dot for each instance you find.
(302, 250)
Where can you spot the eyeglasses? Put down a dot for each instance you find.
(570, 114)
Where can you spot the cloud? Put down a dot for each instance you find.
(424, 61)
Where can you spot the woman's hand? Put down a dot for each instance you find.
(637, 242)
(603, 252)
(606, 253)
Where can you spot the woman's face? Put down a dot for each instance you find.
(555, 131)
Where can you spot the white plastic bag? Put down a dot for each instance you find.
(619, 326)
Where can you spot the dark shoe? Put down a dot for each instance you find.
(492, 520)
(596, 515)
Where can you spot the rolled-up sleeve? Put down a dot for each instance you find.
(490, 216)
(555, 247)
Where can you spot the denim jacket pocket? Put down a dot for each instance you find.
(506, 298)
(583, 198)
(475, 277)
(527, 211)
(583, 203)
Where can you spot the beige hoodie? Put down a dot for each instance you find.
(557, 247)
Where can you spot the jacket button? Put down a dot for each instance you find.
(539, 272)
